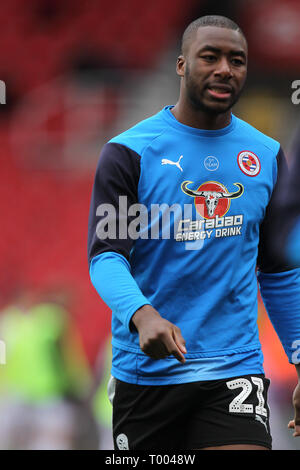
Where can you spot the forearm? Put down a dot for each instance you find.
(281, 295)
(111, 277)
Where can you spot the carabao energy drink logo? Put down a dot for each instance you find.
(212, 201)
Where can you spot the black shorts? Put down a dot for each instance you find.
(193, 415)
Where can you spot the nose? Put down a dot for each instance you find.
(223, 68)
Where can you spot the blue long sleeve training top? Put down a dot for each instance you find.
(180, 219)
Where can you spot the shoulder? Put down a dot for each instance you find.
(258, 137)
(142, 134)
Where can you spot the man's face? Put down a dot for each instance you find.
(214, 69)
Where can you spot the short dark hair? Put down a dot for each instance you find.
(209, 20)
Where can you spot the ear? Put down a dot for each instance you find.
(180, 66)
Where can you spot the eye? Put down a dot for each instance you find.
(238, 62)
(208, 57)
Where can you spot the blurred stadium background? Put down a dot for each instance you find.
(77, 73)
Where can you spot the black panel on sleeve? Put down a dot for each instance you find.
(289, 203)
(117, 174)
(269, 260)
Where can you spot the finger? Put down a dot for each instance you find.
(296, 427)
(180, 343)
(297, 431)
(174, 350)
(297, 417)
(178, 355)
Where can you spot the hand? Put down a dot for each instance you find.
(159, 338)
(295, 423)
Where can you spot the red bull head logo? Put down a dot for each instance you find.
(212, 198)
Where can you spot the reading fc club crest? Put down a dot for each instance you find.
(249, 163)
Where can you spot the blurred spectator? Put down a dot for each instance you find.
(100, 402)
(45, 382)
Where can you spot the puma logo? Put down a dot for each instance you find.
(165, 161)
(258, 418)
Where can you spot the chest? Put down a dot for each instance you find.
(211, 177)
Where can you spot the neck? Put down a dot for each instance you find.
(200, 119)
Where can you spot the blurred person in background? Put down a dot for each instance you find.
(99, 399)
(187, 368)
(45, 382)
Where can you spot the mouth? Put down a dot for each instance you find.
(220, 91)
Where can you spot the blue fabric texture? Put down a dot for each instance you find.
(293, 244)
